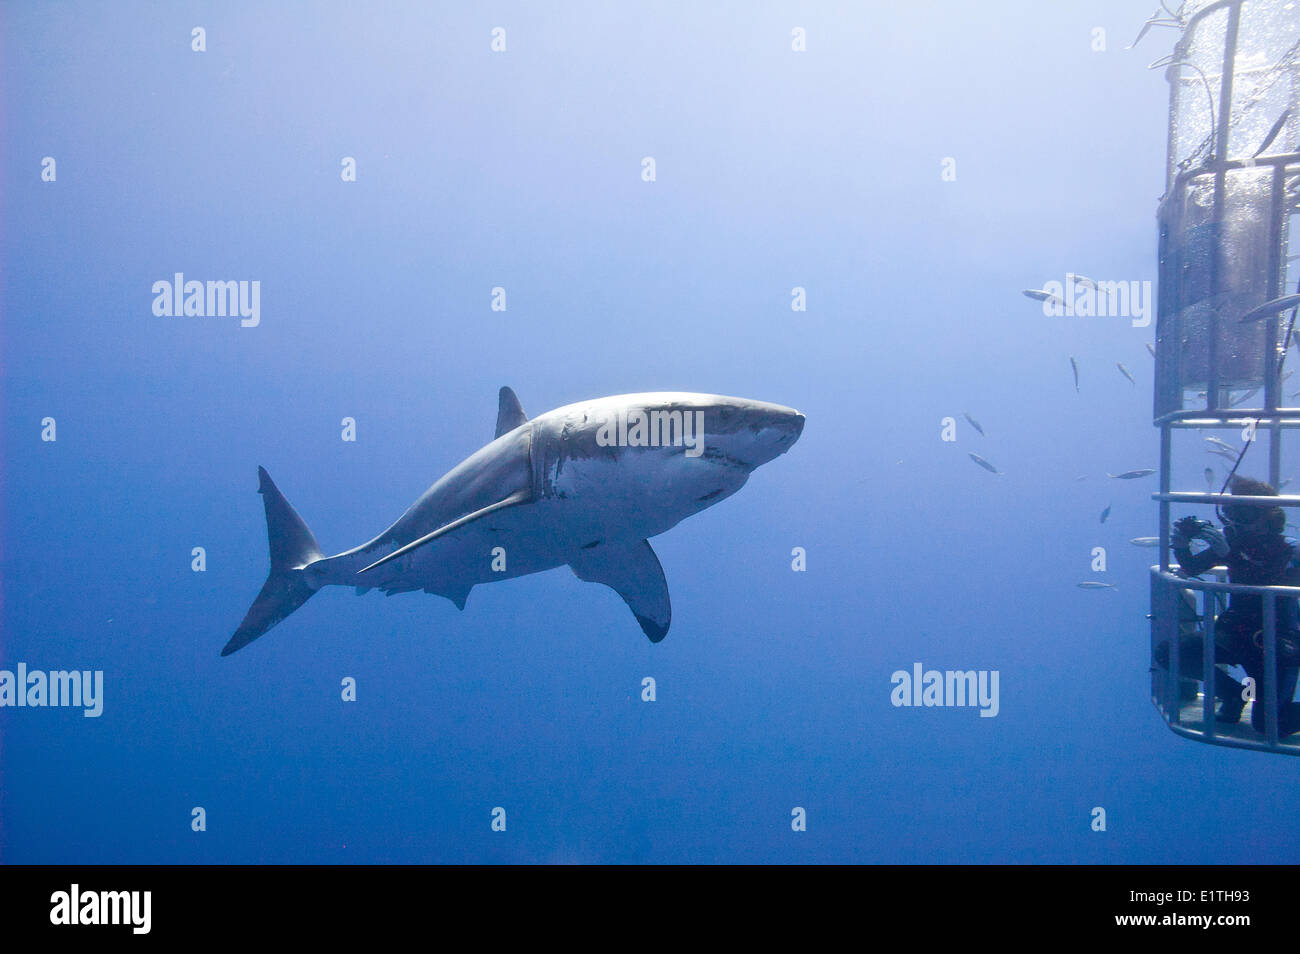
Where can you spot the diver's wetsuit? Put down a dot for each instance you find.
(1254, 559)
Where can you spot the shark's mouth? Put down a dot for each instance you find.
(720, 457)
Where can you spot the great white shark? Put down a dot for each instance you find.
(585, 485)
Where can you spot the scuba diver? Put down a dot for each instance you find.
(1256, 554)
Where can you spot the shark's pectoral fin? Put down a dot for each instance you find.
(515, 499)
(510, 414)
(634, 573)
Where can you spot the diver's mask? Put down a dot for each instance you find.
(1253, 519)
(1244, 518)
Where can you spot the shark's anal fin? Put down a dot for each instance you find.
(457, 596)
(634, 573)
(510, 414)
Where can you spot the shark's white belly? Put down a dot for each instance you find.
(637, 494)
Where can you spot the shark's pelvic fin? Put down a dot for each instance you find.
(634, 573)
(509, 412)
(514, 500)
(292, 548)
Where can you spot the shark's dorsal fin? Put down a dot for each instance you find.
(510, 414)
(633, 572)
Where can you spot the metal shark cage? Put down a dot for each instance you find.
(1222, 333)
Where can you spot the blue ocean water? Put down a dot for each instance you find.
(826, 169)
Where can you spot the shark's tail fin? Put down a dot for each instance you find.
(292, 549)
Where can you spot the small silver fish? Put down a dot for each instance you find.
(1243, 398)
(1132, 474)
(1271, 308)
(1151, 349)
(1222, 445)
(1039, 295)
(1209, 477)
(1226, 455)
(1143, 32)
(983, 463)
(1074, 365)
(1145, 541)
(1124, 371)
(1087, 282)
(973, 423)
(1081, 477)
(1170, 19)
(1272, 133)
(1104, 514)
(1094, 585)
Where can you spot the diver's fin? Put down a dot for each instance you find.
(286, 588)
(509, 412)
(514, 500)
(634, 573)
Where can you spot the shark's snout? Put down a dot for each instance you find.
(785, 429)
(788, 426)
(794, 425)
(769, 431)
